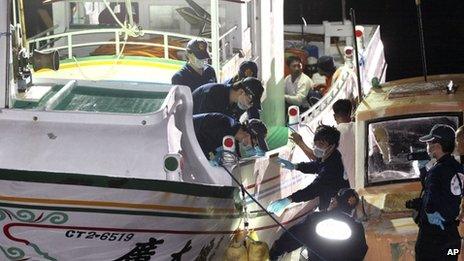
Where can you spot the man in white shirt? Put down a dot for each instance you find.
(297, 84)
(342, 114)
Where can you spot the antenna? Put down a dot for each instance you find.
(356, 48)
(421, 39)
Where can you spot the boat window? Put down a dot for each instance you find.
(390, 142)
(89, 14)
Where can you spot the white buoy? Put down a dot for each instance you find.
(360, 37)
(172, 167)
(293, 115)
(228, 143)
(348, 52)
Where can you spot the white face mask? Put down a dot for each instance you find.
(241, 102)
(242, 106)
(318, 152)
(198, 63)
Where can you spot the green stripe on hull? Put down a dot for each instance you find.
(121, 183)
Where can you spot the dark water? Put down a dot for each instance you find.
(443, 30)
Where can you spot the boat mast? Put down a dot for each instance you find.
(215, 36)
(356, 52)
(421, 39)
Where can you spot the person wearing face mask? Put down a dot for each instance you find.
(348, 244)
(297, 84)
(232, 100)
(440, 198)
(246, 69)
(342, 115)
(196, 71)
(329, 169)
(210, 129)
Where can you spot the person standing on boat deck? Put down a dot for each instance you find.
(196, 71)
(440, 199)
(297, 84)
(326, 67)
(232, 100)
(246, 69)
(348, 243)
(329, 169)
(210, 129)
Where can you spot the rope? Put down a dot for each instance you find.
(129, 29)
(244, 190)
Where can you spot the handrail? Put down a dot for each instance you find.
(228, 32)
(328, 97)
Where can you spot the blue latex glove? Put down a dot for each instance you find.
(278, 205)
(259, 151)
(422, 163)
(436, 219)
(249, 152)
(286, 164)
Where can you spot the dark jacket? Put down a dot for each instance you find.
(214, 97)
(438, 193)
(352, 249)
(328, 182)
(210, 129)
(189, 77)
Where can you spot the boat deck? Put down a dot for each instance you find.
(90, 99)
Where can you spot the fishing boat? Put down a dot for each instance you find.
(99, 159)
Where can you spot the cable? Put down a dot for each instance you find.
(268, 213)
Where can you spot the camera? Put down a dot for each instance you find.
(414, 204)
(418, 155)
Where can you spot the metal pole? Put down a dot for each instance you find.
(358, 72)
(421, 39)
(343, 11)
(215, 37)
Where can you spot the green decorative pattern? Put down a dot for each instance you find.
(38, 251)
(28, 216)
(13, 253)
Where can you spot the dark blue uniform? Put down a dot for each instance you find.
(328, 182)
(189, 77)
(352, 249)
(432, 242)
(214, 97)
(210, 129)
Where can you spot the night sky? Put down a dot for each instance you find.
(443, 22)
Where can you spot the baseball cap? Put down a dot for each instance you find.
(258, 131)
(199, 48)
(441, 132)
(326, 63)
(254, 87)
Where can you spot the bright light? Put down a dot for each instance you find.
(333, 229)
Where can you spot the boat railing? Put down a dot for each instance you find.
(118, 41)
(340, 84)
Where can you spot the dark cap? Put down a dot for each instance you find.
(199, 48)
(326, 64)
(258, 131)
(347, 199)
(254, 87)
(439, 132)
